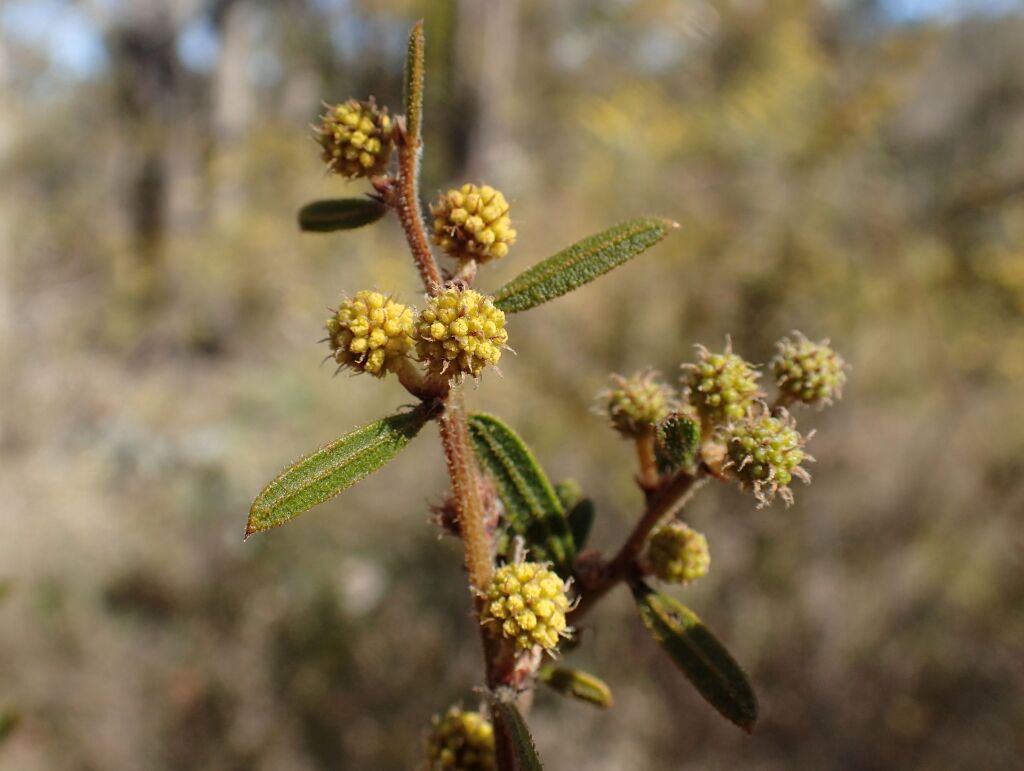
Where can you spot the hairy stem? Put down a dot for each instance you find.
(465, 488)
(663, 504)
(407, 205)
(459, 457)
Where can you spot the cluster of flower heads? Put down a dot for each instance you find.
(461, 741)
(460, 332)
(526, 603)
(760, 443)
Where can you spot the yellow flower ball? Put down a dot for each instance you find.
(460, 332)
(472, 223)
(808, 372)
(370, 333)
(765, 452)
(356, 138)
(461, 741)
(721, 386)
(636, 404)
(527, 603)
(678, 554)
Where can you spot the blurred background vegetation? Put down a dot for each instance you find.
(851, 169)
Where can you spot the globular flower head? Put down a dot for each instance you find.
(809, 372)
(637, 404)
(460, 332)
(370, 333)
(473, 223)
(526, 603)
(678, 554)
(721, 386)
(461, 741)
(356, 138)
(765, 452)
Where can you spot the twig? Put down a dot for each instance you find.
(648, 463)
(465, 488)
(407, 206)
(663, 504)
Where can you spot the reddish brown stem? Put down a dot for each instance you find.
(664, 503)
(465, 488)
(407, 205)
(648, 463)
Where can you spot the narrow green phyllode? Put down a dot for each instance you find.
(334, 214)
(581, 263)
(701, 657)
(532, 509)
(323, 474)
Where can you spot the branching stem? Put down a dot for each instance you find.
(670, 499)
(458, 452)
(648, 463)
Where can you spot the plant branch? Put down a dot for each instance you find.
(466, 491)
(648, 463)
(407, 205)
(662, 504)
(408, 137)
(404, 197)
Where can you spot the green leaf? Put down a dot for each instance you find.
(512, 739)
(414, 82)
(531, 505)
(333, 468)
(580, 511)
(701, 657)
(340, 214)
(581, 521)
(580, 685)
(581, 263)
(569, 493)
(676, 442)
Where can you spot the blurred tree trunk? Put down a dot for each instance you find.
(233, 101)
(486, 51)
(145, 74)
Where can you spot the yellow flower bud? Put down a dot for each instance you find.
(721, 386)
(356, 138)
(370, 333)
(637, 404)
(526, 603)
(473, 224)
(809, 372)
(461, 741)
(460, 332)
(765, 452)
(678, 554)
